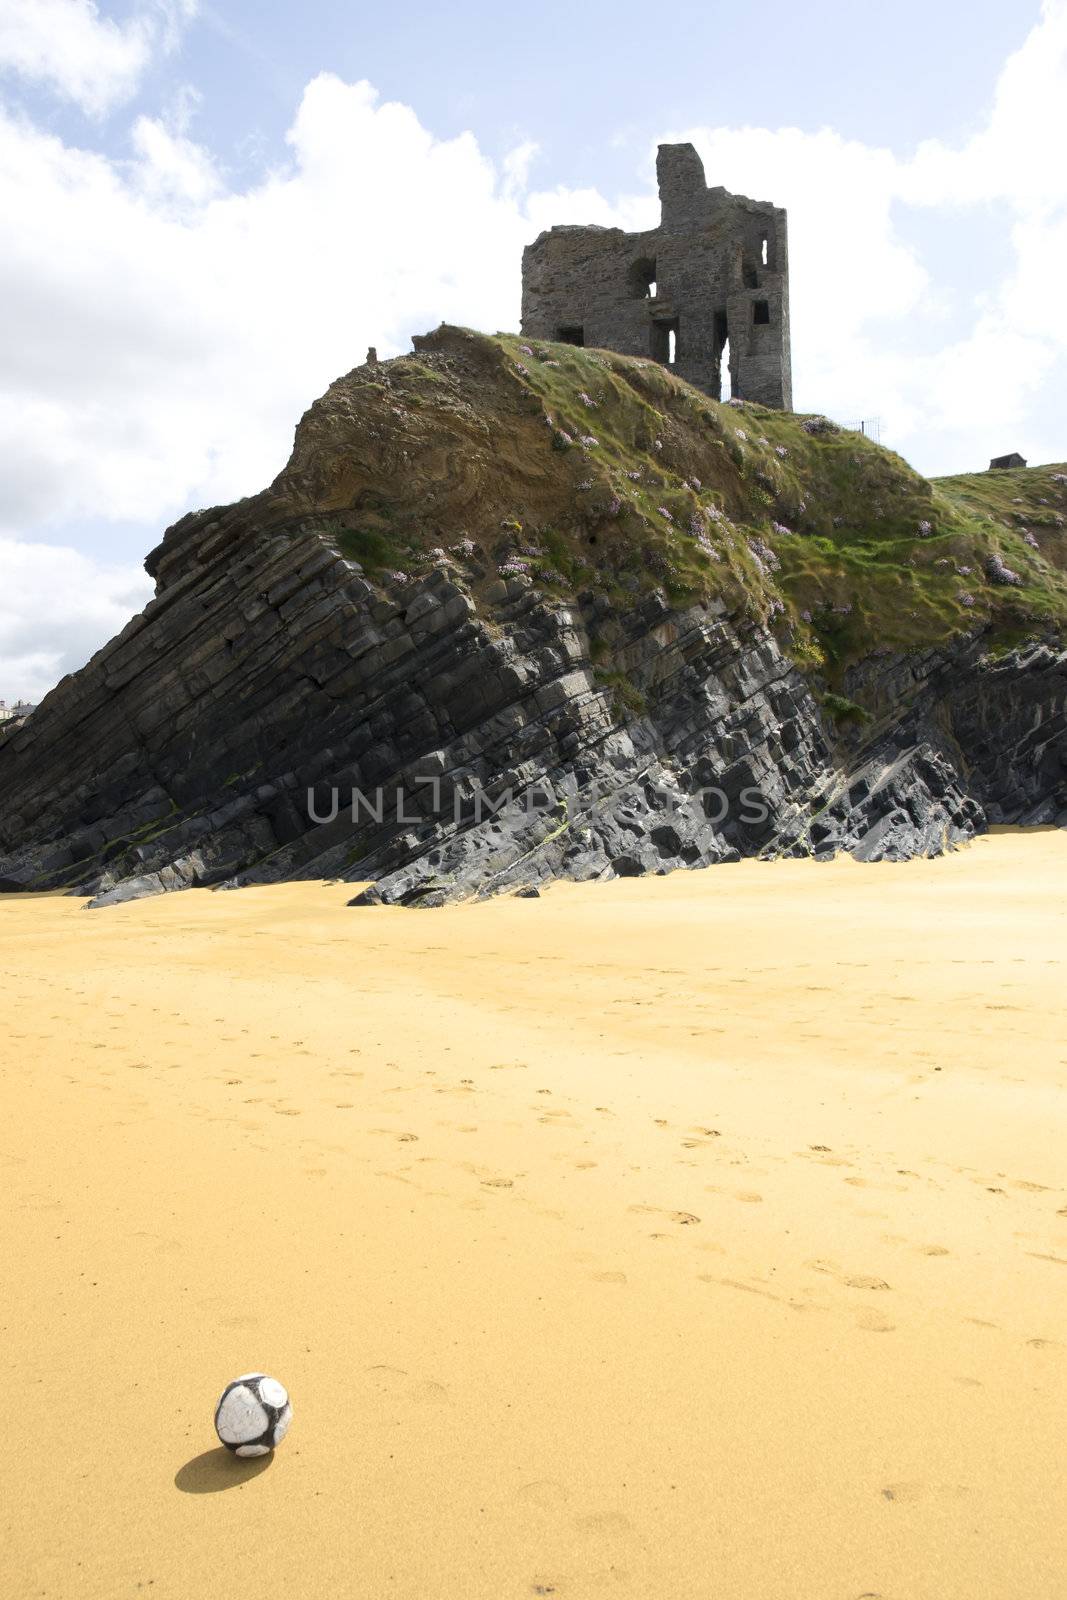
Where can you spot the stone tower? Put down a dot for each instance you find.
(713, 278)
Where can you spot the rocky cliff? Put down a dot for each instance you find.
(520, 611)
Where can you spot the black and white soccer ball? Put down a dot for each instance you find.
(253, 1414)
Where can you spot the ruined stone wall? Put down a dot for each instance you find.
(719, 266)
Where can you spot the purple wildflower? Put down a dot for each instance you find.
(997, 571)
(763, 555)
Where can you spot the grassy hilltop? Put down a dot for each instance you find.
(591, 470)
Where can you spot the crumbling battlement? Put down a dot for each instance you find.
(715, 273)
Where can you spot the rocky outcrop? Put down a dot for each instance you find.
(281, 711)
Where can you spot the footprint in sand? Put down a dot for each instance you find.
(748, 1288)
(683, 1217)
(546, 1494)
(396, 1382)
(851, 1280)
(748, 1196)
(872, 1322)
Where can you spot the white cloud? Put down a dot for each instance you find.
(161, 331)
(83, 56)
(868, 319)
(162, 334)
(57, 607)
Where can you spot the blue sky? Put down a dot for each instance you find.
(593, 83)
(210, 209)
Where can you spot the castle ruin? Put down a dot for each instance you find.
(709, 286)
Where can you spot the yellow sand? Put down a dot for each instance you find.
(685, 1239)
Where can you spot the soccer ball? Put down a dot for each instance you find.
(253, 1415)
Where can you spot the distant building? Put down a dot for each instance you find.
(14, 713)
(709, 287)
(1012, 460)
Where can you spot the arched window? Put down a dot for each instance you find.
(642, 278)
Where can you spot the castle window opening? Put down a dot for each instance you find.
(642, 278)
(761, 311)
(763, 250)
(664, 340)
(720, 383)
(572, 333)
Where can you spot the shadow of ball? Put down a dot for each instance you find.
(219, 1469)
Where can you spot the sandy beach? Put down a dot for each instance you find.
(692, 1237)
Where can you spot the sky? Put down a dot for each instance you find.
(210, 208)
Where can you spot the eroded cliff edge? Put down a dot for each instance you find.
(551, 612)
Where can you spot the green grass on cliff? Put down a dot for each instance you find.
(597, 471)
